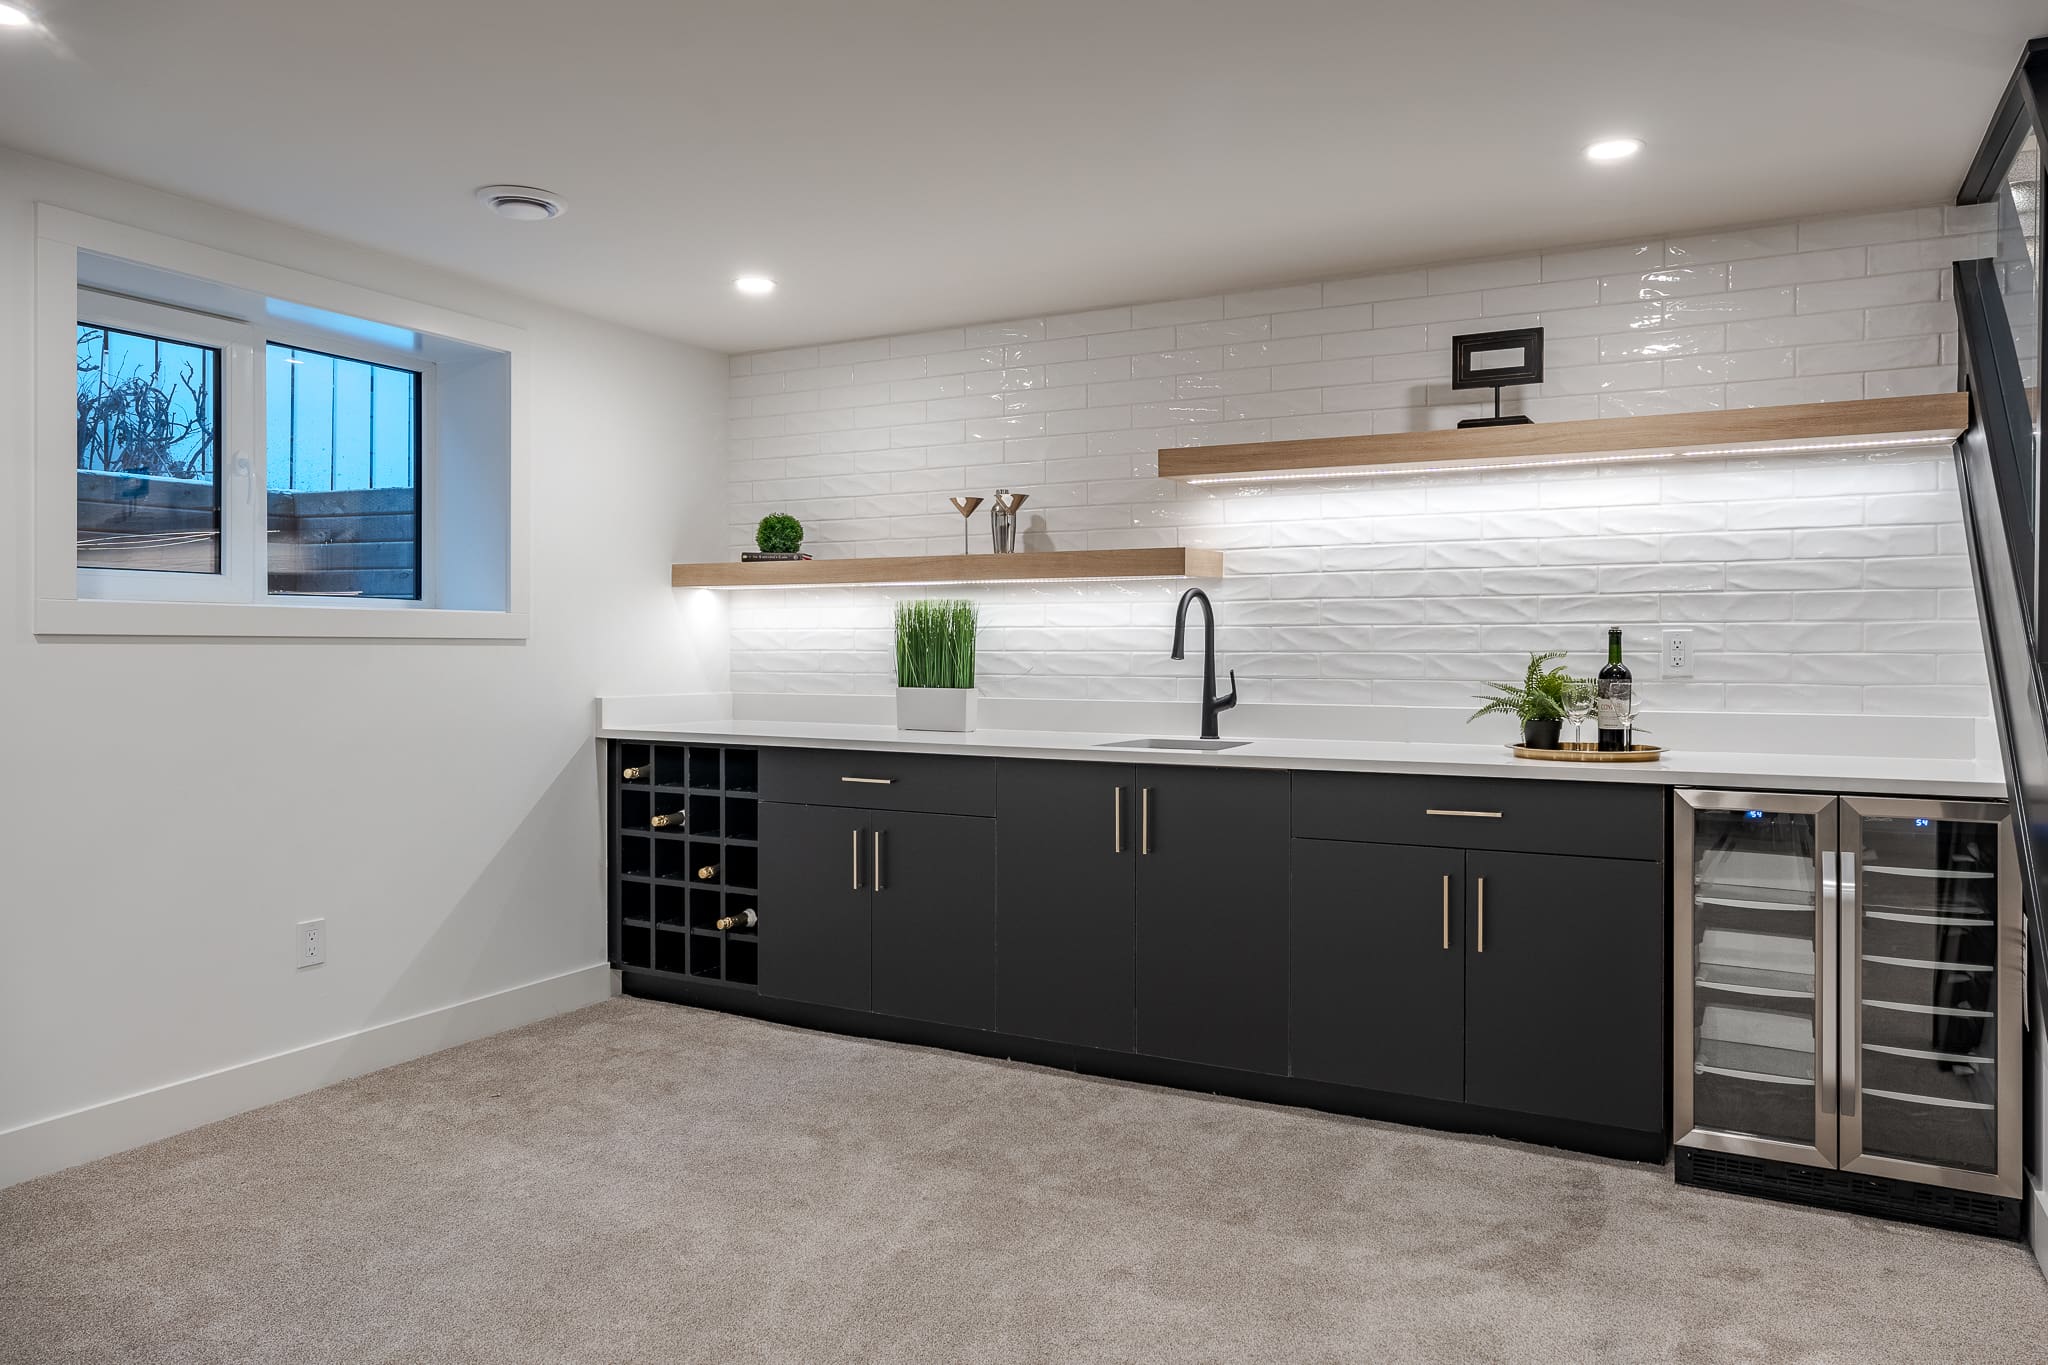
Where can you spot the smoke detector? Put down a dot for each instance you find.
(520, 203)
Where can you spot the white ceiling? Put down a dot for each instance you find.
(899, 164)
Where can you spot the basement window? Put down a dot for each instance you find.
(241, 458)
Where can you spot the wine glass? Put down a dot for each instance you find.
(1581, 696)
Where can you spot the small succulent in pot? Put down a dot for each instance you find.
(779, 534)
(1538, 701)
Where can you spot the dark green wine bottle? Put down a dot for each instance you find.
(1616, 690)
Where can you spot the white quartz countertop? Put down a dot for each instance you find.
(1830, 773)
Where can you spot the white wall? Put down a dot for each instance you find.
(1817, 585)
(169, 809)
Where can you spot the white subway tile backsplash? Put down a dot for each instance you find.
(1822, 583)
(1899, 226)
(1281, 300)
(1668, 283)
(1470, 275)
(1877, 291)
(1732, 244)
(1920, 380)
(1405, 284)
(1620, 258)
(1857, 356)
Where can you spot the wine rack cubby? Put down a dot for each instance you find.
(684, 821)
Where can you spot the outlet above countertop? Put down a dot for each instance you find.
(1979, 779)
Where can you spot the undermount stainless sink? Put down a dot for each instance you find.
(1173, 744)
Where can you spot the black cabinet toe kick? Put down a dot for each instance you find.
(1597, 1139)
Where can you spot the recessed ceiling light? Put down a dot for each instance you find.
(520, 203)
(13, 17)
(754, 284)
(1614, 149)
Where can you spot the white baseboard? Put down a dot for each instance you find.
(98, 1130)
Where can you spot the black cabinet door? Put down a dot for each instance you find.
(815, 903)
(1376, 935)
(1564, 987)
(934, 880)
(1065, 934)
(1212, 917)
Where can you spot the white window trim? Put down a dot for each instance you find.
(237, 475)
(427, 464)
(59, 607)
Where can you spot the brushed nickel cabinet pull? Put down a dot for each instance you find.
(1447, 910)
(856, 860)
(878, 860)
(1467, 814)
(1482, 914)
(1145, 821)
(871, 781)
(1117, 814)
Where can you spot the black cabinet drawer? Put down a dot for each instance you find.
(1596, 819)
(879, 781)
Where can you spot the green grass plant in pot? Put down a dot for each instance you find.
(1538, 701)
(935, 664)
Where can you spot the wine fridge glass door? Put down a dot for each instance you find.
(1755, 975)
(1930, 972)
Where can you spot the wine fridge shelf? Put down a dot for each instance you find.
(664, 909)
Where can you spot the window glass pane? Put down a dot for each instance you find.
(343, 460)
(2019, 272)
(148, 438)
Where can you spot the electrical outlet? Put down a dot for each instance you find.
(1677, 654)
(312, 942)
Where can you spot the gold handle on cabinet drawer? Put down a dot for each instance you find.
(1482, 914)
(871, 781)
(856, 860)
(1447, 910)
(1117, 816)
(878, 860)
(1467, 814)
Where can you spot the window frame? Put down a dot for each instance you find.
(240, 569)
(64, 606)
(426, 451)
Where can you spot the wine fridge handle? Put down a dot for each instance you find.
(1447, 910)
(877, 865)
(1117, 823)
(856, 860)
(1480, 944)
(1849, 985)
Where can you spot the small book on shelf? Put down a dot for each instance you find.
(763, 557)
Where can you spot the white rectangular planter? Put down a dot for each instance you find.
(935, 708)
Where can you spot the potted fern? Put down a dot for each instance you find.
(935, 664)
(1538, 701)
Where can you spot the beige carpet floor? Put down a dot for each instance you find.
(637, 1182)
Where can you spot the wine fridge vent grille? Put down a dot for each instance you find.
(1958, 1210)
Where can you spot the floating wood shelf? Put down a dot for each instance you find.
(1046, 566)
(1868, 423)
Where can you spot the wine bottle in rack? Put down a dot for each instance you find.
(707, 872)
(673, 818)
(634, 774)
(1616, 698)
(745, 919)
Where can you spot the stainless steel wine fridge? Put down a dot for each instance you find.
(1848, 1003)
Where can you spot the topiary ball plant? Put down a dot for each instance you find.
(779, 534)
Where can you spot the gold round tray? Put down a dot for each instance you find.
(1569, 752)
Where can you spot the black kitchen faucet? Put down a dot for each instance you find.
(1211, 703)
